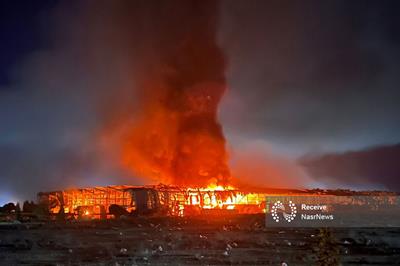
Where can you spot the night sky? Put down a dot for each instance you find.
(313, 97)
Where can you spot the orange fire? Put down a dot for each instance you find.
(182, 146)
(225, 198)
(161, 199)
(175, 136)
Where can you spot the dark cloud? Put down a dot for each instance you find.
(18, 36)
(374, 167)
(314, 75)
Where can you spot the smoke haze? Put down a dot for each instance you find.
(285, 79)
(375, 167)
(114, 77)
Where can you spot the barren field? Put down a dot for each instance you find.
(231, 240)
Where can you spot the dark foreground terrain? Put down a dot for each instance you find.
(233, 240)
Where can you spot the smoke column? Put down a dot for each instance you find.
(177, 138)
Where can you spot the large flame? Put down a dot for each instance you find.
(177, 138)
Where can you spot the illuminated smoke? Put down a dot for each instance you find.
(177, 138)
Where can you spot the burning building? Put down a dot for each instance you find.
(175, 137)
(163, 200)
(95, 202)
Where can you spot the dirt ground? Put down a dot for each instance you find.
(228, 240)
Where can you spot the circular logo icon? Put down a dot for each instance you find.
(288, 215)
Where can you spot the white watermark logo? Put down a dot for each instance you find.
(288, 216)
(374, 210)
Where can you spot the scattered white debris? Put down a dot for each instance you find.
(226, 253)
(198, 256)
(203, 237)
(123, 251)
(288, 242)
